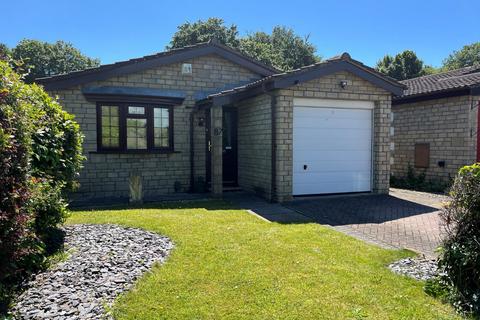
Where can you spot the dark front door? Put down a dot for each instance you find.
(229, 147)
(230, 169)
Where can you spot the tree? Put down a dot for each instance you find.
(427, 69)
(405, 65)
(41, 59)
(202, 31)
(283, 48)
(469, 55)
(385, 64)
(5, 52)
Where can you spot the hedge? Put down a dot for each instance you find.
(40, 157)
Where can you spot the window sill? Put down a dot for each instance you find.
(134, 152)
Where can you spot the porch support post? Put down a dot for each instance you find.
(216, 116)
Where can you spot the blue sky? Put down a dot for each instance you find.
(119, 30)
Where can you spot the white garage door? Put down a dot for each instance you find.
(332, 146)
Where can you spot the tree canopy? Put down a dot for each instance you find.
(40, 59)
(4, 52)
(467, 56)
(405, 65)
(282, 48)
(202, 31)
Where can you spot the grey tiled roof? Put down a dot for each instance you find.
(451, 80)
(106, 68)
(343, 57)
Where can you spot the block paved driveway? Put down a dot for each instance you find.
(403, 219)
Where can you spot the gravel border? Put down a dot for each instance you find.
(420, 269)
(104, 261)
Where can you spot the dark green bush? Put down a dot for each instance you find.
(49, 209)
(419, 182)
(460, 257)
(18, 244)
(56, 141)
(40, 156)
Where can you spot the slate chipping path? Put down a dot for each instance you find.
(104, 261)
(417, 268)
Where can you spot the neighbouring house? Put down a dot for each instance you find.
(206, 117)
(436, 124)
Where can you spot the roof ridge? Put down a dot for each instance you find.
(469, 74)
(131, 60)
(343, 57)
(167, 56)
(441, 73)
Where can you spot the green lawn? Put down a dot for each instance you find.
(228, 264)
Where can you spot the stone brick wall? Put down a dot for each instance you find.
(449, 125)
(328, 88)
(254, 145)
(107, 175)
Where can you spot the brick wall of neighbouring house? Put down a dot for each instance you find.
(254, 145)
(449, 125)
(328, 88)
(107, 175)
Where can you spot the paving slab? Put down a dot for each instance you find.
(403, 219)
(272, 212)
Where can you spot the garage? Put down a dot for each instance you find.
(332, 146)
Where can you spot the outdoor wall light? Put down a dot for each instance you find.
(343, 83)
(201, 121)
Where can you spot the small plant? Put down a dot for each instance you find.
(436, 288)
(177, 186)
(200, 185)
(460, 256)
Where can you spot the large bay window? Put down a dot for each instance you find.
(134, 127)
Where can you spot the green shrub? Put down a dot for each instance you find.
(56, 141)
(460, 257)
(18, 243)
(40, 156)
(49, 209)
(419, 182)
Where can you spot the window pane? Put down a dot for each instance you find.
(114, 132)
(106, 111)
(106, 121)
(160, 127)
(110, 127)
(136, 110)
(106, 132)
(157, 132)
(136, 133)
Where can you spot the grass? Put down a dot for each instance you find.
(228, 264)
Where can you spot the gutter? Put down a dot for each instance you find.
(448, 93)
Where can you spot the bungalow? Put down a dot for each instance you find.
(206, 117)
(436, 124)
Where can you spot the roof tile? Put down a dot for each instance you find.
(455, 79)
